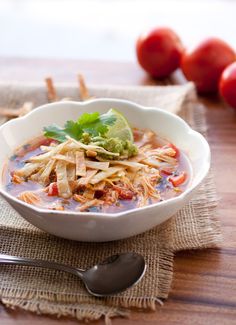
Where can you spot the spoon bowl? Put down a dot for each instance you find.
(115, 274)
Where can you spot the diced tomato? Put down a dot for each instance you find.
(53, 189)
(137, 134)
(179, 179)
(47, 142)
(171, 145)
(124, 194)
(167, 171)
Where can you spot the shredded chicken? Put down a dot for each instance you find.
(29, 197)
(83, 181)
(16, 179)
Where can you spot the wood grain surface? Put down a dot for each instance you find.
(204, 284)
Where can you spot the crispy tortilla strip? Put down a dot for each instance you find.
(36, 177)
(62, 181)
(105, 174)
(163, 154)
(71, 172)
(80, 168)
(48, 155)
(83, 181)
(29, 197)
(131, 164)
(79, 145)
(66, 159)
(99, 186)
(51, 92)
(166, 158)
(166, 151)
(152, 162)
(44, 178)
(28, 169)
(97, 165)
(89, 204)
(71, 167)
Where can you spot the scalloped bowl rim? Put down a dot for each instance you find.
(189, 131)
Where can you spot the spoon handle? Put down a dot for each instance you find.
(7, 259)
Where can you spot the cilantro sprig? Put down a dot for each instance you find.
(92, 123)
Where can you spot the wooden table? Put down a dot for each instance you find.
(204, 284)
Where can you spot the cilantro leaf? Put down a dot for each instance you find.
(101, 125)
(92, 123)
(88, 118)
(73, 129)
(55, 132)
(102, 129)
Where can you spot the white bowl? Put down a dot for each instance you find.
(92, 226)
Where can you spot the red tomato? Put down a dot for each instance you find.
(53, 189)
(159, 52)
(205, 63)
(178, 180)
(167, 171)
(172, 146)
(228, 85)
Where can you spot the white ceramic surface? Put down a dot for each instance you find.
(88, 226)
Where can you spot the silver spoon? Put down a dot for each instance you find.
(115, 274)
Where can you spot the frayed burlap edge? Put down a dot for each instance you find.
(66, 305)
(81, 313)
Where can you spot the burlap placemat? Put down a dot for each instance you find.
(57, 293)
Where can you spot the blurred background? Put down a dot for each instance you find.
(105, 29)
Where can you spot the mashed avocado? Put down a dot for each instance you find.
(124, 147)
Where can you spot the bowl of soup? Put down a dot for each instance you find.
(100, 170)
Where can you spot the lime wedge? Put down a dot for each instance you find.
(121, 128)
